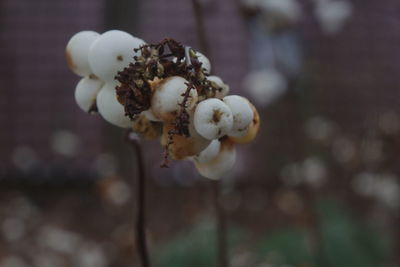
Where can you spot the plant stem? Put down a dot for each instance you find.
(223, 259)
(201, 33)
(141, 200)
(316, 229)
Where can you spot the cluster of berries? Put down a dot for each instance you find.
(166, 90)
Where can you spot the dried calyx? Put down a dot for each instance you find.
(156, 62)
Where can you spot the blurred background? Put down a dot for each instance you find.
(318, 187)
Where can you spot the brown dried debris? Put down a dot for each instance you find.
(159, 61)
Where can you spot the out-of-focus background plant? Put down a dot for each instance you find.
(319, 186)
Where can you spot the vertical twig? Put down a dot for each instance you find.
(221, 225)
(397, 240)
(316, 229)
(223, 258)
(140, 234)
(200, 28)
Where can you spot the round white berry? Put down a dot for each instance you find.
(77, 51)
(242, 114)
(221, 164)
(109, 107)
(222, 88)
(86, 92)
(209, 153)
(168, 96)
(252, 130)
(212, 118)
(206, 65)
(112, 52)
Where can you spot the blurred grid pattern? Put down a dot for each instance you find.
(355, 73)
(36, 95)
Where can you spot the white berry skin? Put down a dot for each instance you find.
(213, 119)
(112, 52)
(150, 115)
(252, 130)
(109, 107)
(86, 92)
(221, 164)
(77, 51)
(206, 65)
(168, 95)
(242, 114)
(223, 88)
(209, 153)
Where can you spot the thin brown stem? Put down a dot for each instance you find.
(140, 223)
(201, 32)
(316, 229)
(223, 259)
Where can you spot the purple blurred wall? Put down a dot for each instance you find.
(225, 30)
(356, 73)
(36, 88)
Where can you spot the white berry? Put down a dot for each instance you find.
(242, 114)
(221, 164)
(77, 51)
(109, 107)
(213, 118)
(206, 65)
(86, 92)
(222, 88)
(252, 130)
(209, 153)
(168, 96)
(112, 52)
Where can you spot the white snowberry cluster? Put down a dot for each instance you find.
(162, 90)
(97, 58)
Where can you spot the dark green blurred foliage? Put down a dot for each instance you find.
(286, 247)
(346, 242)
(194, 248)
